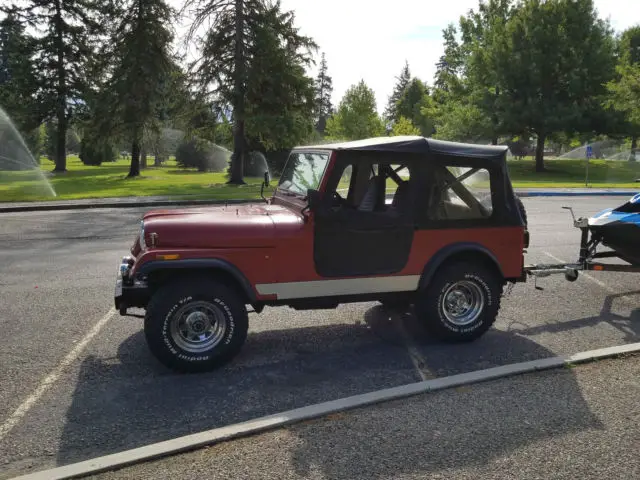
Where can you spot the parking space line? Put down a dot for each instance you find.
(417, 359)
(53, 376)
(594, 280)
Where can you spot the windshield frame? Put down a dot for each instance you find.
(322, 175)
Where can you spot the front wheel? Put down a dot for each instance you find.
(195, 326)
(461, 303)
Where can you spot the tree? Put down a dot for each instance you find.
(552, 60)
(624, 89)
(228, 51)
(414, 104)
(449, 66)
(280, 95)
(625, 97)
(481, 33)
(18, 78)
(356, 117)
(404, 127)
(142, 42)
(72, 30)
(323, 91)
(402, 81)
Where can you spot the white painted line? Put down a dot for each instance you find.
(271, 422)
(417, 359)
(53, 376)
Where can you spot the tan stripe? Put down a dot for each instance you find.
(346, 286)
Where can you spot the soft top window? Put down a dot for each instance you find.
(303, 171)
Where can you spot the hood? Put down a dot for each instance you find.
(229, 226)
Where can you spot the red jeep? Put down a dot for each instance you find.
(400, 220)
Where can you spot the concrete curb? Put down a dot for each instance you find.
(126, 204)
(549, 193)
(190, 442)
(85, 205)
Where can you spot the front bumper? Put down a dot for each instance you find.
(129, 291)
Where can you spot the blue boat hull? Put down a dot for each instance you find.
(619, 229)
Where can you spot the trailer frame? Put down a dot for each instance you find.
(589, 243)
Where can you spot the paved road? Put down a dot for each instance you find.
(562, 424)
(56, 277)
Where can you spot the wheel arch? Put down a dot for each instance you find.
(161, 270)
(459, 252)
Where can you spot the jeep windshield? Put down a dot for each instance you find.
(303, 171)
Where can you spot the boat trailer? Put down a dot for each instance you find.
(587, 259)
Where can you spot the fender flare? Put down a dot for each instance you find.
(202, 264)
(449, 251)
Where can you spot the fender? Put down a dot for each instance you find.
(451, 250)
(201, 264)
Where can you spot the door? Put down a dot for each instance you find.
(365, 226)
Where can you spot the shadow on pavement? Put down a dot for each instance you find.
(131, 401)
(437, 433)
(630, 325)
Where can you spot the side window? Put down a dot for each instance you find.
(370, 187)
(397, 185)
(345, 182)
(460, 193)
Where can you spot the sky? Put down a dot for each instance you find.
(365, 39)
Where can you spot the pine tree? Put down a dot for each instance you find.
(450, 64)
(323, 92)
(18, 78)
(142, 43)
(72, 30)
(228, 51)
(391, 112)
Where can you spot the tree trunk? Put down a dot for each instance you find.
(540, 152)
(143, 157)
(61, 97)
(634, 146)
(237, 159)
(134, 170)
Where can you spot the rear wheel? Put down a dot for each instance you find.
(462, 301)
(195, 326)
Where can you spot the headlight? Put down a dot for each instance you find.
(143, 245)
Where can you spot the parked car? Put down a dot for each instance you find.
(406, 221)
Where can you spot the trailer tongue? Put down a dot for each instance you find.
(618, 229)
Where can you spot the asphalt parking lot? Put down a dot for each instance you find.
(57, 272)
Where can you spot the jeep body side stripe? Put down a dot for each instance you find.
(346, 286)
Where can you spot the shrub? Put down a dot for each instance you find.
(95, 152)
(203, 155)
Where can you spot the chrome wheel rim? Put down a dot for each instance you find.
(462, 303)
(198, 326)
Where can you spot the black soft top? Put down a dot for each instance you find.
(415, 144)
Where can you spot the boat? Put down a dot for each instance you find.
(619, 229)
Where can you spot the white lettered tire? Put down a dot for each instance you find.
(195, 325)
(461, 302)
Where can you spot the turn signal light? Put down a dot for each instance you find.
(173, 256)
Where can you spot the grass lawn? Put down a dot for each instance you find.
(109, 180)
(571, 173)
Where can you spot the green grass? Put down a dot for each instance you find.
(110, 180)
(571, 173)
